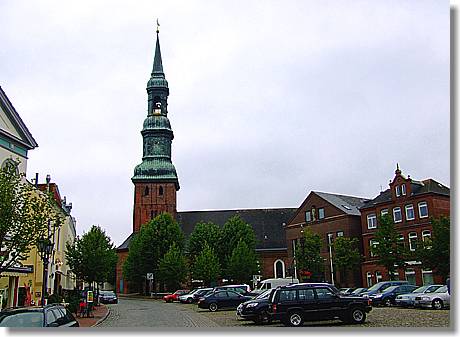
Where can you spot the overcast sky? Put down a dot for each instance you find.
(268, 100)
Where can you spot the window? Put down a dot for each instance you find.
(369, 279)
(287, 295)
(378, 276)
(384, 212)
(395, 276)
(410, 276)
(412, 241)
(221, 294)
(160, 191)
(398, 191)
(152, 214)
(371, 221)
(410, 214)
(146, 191)
(426, 234)
(324, 293)
(321, 213)
(427, 277)
(372, 245)
(279, 269)
(308, 216)
(403, 189)
(422, 209)
(339, 233)
(306, 294)
(232, 294)
(401, 240)
(397, 216)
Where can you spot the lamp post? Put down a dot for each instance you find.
(45, 247)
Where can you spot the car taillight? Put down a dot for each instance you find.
(274, 308)
(369, 302)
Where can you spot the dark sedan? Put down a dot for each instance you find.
(201, 293)
(108, 297)
(388, 296)
(256, 309)
(52, 315)
(222, 300)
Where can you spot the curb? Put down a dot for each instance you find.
(102, 319)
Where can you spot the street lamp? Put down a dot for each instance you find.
(45, 247)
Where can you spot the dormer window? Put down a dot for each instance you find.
(403, 189)
(398, 191)
(307, 216)
(320, 213)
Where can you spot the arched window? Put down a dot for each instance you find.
(279, 269)
(160, 190)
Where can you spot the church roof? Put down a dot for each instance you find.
(266, 222)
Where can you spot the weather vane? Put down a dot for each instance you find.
(158, 26)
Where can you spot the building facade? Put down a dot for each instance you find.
(411, 204)
(330, 216)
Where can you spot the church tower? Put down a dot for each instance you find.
(155, 179)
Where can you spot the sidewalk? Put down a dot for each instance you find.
(99, 313)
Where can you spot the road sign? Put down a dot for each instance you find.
(149, 276)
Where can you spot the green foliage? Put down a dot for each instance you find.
(203, 233)
(149, 245)
(308, 257)
(389, 252)
(242, 264)
(206, 266)
(434, 253)
(233, 231)
(25, 214)
(93, 257)
(172, 268)
(346, 255)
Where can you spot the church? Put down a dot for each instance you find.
(156, 185)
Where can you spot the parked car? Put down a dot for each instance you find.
(271, 283)
(358, 291)
(256, 309)
(52, 315)
(381, 286)
(388, 296)
(188, 297)
(174, 297)
(243, 289)
(106, 297)
(201, 293)
(438, 299)
(293, 304)
(346, 291)
(222, 299)
(407, 300)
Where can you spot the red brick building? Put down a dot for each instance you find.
(330, 216)
(411, 204)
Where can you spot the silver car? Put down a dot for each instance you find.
(436, 300)
(408, 300)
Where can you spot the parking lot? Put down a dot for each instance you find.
(377, 318)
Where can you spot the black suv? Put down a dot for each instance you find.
(293, 304)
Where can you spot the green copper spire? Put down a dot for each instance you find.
(157, 134)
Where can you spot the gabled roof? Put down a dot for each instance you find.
(417, 187)
(26, 139)
(266, 222)
(346, 203)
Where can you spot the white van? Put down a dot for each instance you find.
(273, 283)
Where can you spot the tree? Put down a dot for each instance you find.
(346, 255)
(172, 268)
(92, 258)
(434, 253)
(149, 245)
(204, 232)
(388, 249)
(308, 257)
(234, 230)
(25, 215)
(206, 266)
(242, 264)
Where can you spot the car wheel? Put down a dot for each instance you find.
(437, 304)
(357, 315)
(295, 318)
(387, 302)
(213, 307)
(189, 300)
(263, 318)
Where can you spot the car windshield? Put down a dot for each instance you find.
(420, 289)
(357, 291)
(443, 289)
(22, 319)
(376, 286)
(390, 289)
(265, 294)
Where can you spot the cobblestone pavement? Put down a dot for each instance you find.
(140, 313)
(377, 318)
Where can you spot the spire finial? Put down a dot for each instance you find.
(158, 26)
(398, 171)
